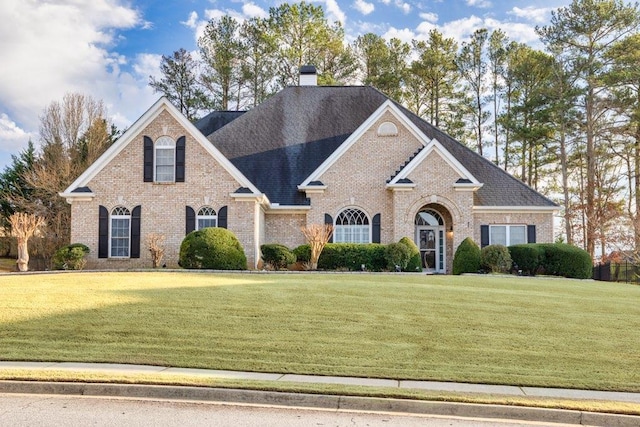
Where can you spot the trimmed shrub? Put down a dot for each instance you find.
(527, 257)
(303, 253)
(495, 258)
(561, 259)
(397, 256)
(212, 248)
(467, 257)
(351, 256)
(277, 255)
(415, 263)
(70, 257)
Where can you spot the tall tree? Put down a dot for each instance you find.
(583, 32)
(13, 184)
(497, 53)
(304, 37)
(437, 76)
(472, 66)
(221, 50)
(624, 80)
(73, 134)
(179, 83)
(258, 64)
(383, 64)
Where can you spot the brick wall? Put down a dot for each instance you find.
(162, 205)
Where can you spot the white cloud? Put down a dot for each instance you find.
(363, 7)
(429, 17)
(192, 22)
(387, 2)
(251, 10)
(50, 48)
(404, 34)
(538, 15)
(334, 13)
(12, 136)
(404, 6)
(483, 4)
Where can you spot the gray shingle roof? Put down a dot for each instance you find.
(278, 144)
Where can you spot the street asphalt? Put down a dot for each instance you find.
(162, 392)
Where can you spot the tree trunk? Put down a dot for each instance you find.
(23, 255)
(565, 183)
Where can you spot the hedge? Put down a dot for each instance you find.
(352, 256)
(561, 259)
(496, 259)
(212, 248)
(70, 257)
(277, 255)
(527, 257)
(467, 257)
(415, 262)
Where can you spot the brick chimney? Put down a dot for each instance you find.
(308, 76)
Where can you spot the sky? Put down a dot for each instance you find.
(108, 48)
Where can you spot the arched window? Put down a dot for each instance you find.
(120, 232)
(352, 226)
(206, 218)
(429, 217)
(165, 159)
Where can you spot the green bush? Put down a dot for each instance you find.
(495, 258)
(415, 263)
(351, 256)
(397, 256)
(277, 255)
(70, 257)
(303, 253)
(212, 248)
(527, 257)
(561, 259)
(5, 246)
(467, 257)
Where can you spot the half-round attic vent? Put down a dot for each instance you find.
(387, 129)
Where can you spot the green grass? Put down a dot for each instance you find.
(487, 329)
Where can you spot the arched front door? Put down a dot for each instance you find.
(430, 239)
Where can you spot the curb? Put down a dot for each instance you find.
(320, 401)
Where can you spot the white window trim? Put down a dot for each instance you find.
(369, 225)
(508, 233)
(199, 216)
(164, 143)
(111, 218)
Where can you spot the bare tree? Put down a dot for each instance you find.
(155, 244)
(317, 236)
(23, 227)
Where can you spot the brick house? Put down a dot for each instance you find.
(311, 154)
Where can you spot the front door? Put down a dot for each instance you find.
(430, 241)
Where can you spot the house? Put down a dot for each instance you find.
(348, 156)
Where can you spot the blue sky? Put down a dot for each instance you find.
(109, 48)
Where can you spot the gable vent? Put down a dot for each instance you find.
(387, 129)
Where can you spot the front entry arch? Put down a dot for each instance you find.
(431, 240)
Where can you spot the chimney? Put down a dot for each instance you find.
(308, 76)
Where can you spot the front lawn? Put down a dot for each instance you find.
(538, 332)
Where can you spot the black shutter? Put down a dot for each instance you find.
(222, 217)
(135, 232)
(190, 220)
(484, 236)
(329, 220)
(148, 159)
(103, 232)
(375, 230)
(180, 155)
(531, 233)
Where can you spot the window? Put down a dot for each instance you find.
(206, 218)
(352, 226)
(507, 235)
(120, 233)
(429, 217)
(165, 153)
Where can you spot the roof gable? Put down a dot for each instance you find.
(387, 107)
(147, 118)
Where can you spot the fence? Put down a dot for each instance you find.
(617, 272)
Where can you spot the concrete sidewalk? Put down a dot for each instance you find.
(323, 401)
